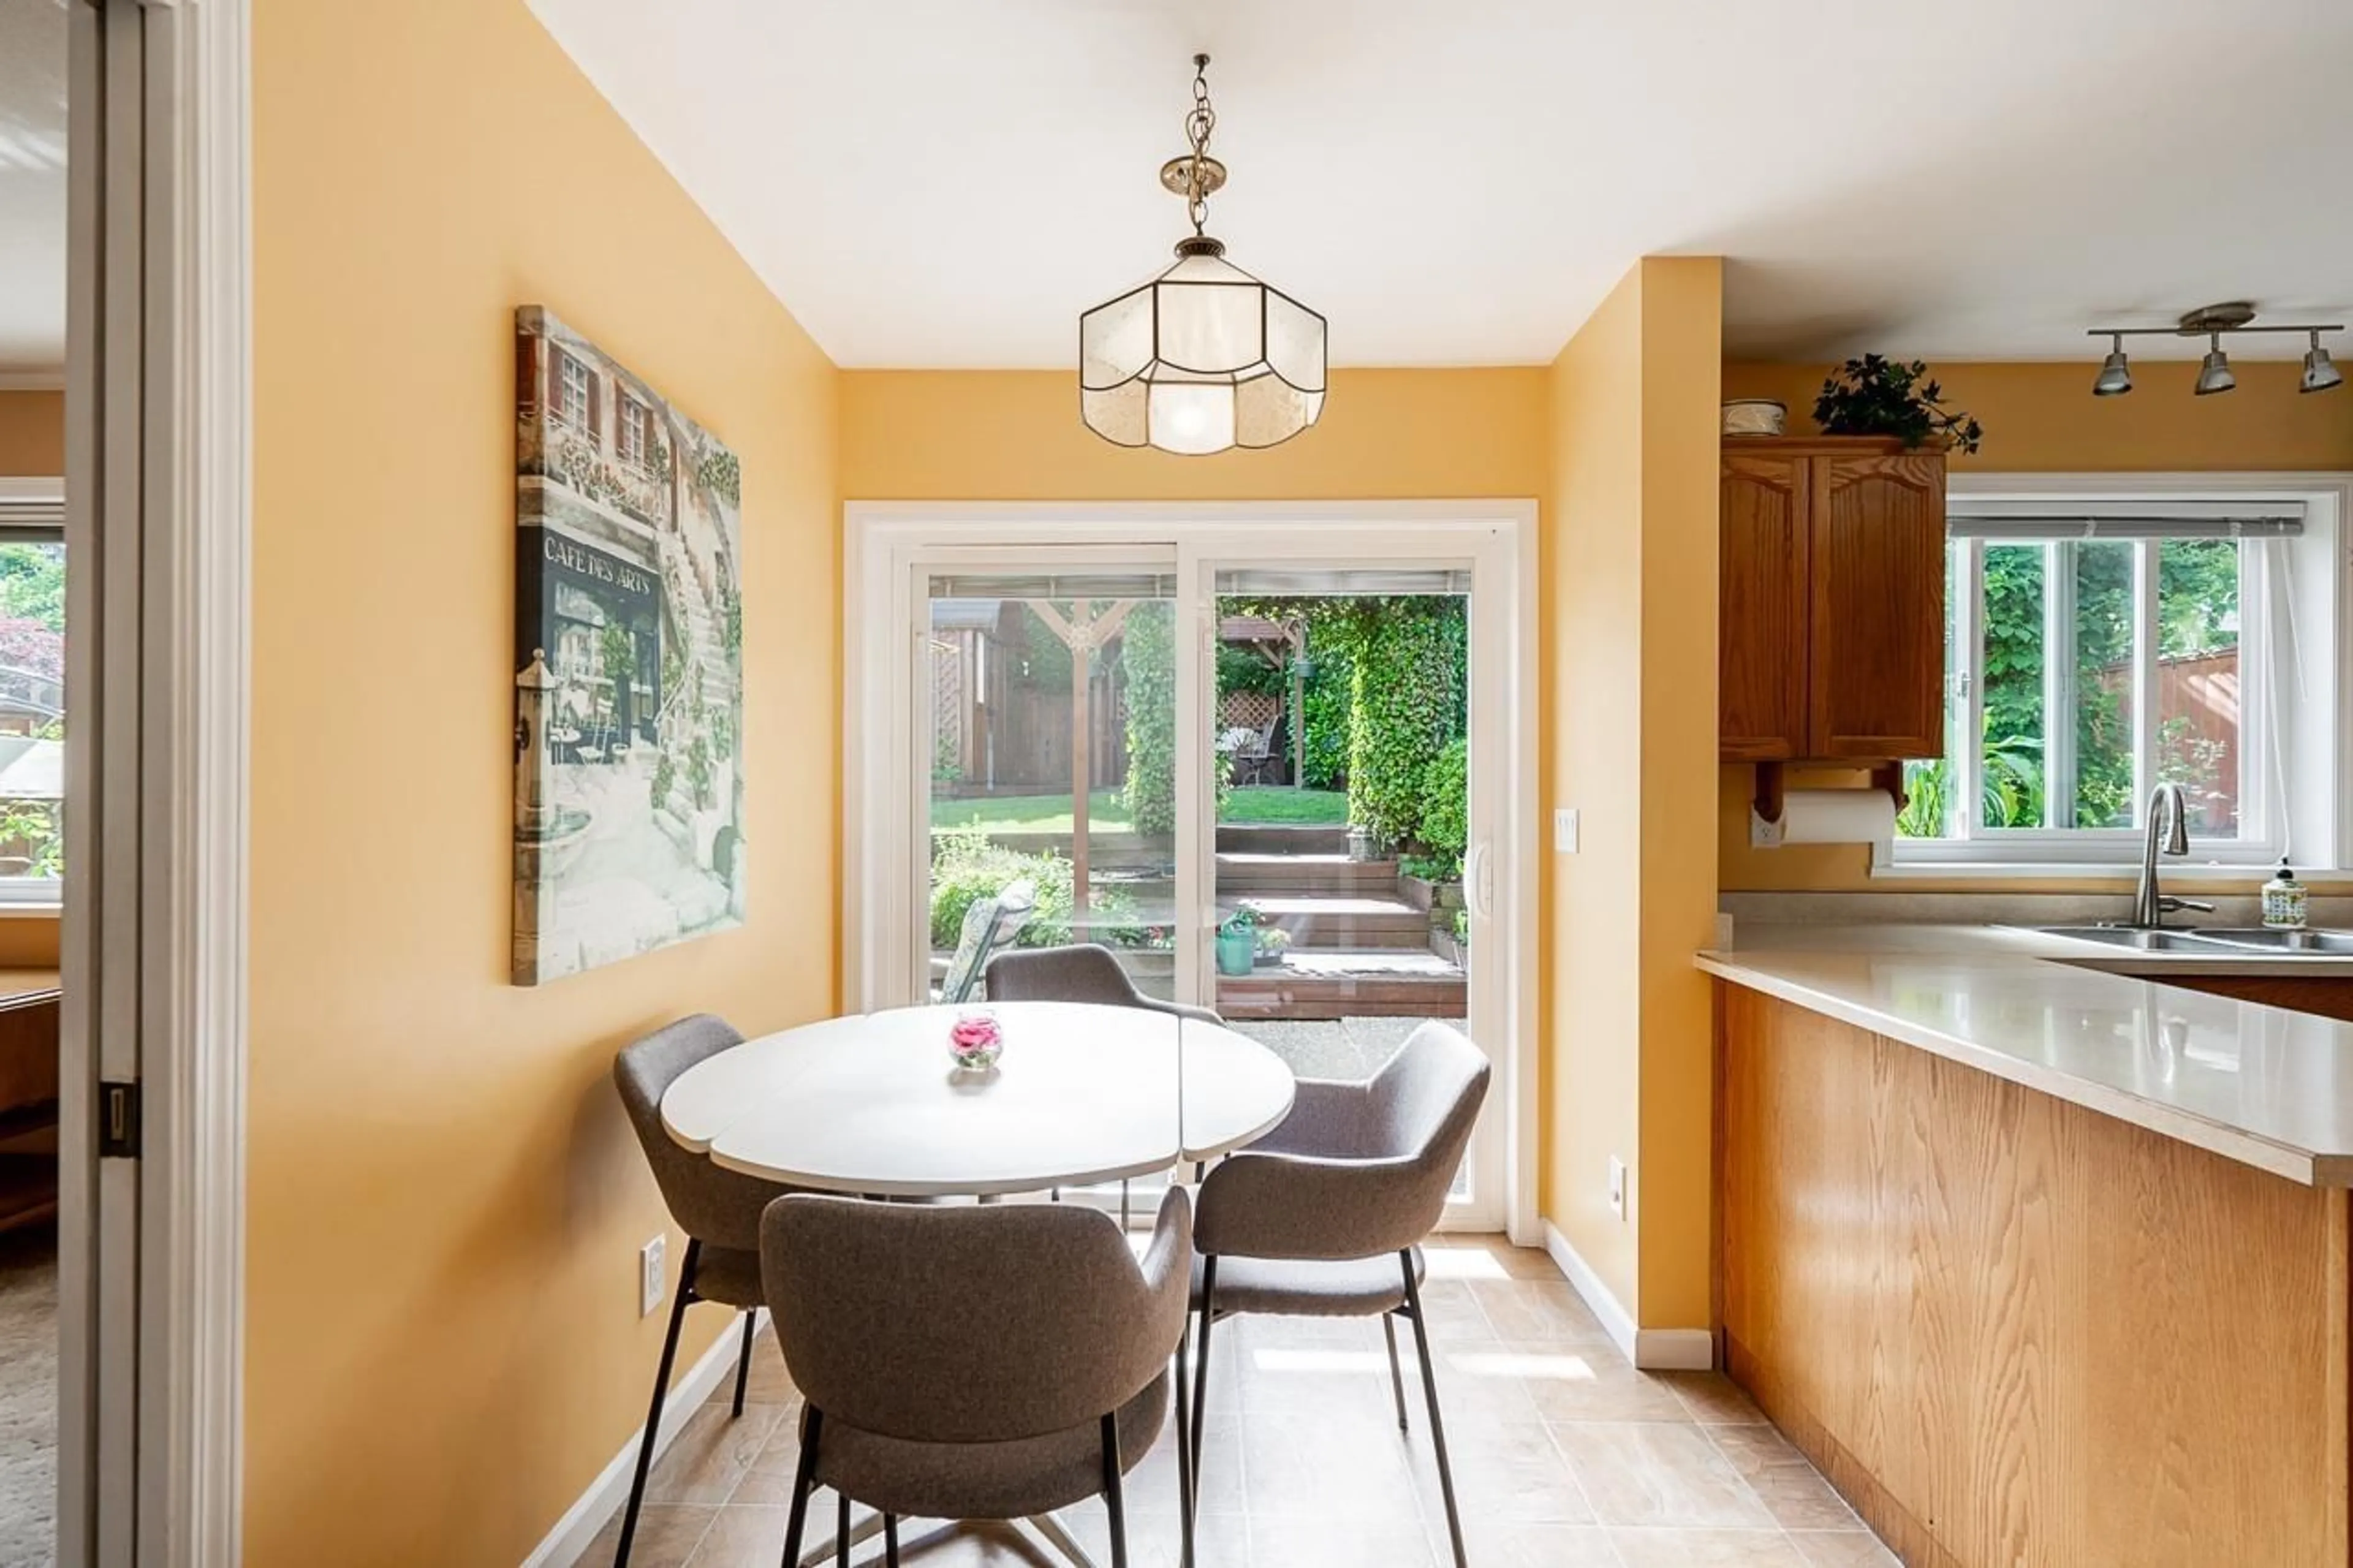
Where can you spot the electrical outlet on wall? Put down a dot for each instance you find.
(1617, 1186)
(653, 1275)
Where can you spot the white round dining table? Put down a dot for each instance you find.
(873, 1104)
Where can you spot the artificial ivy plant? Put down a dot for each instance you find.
(1875, 395)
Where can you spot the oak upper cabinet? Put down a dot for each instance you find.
(1833, 575)
(1761, 688)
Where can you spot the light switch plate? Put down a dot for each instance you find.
(1564, 829)
(1617, 1186)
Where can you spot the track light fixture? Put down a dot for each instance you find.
(2320, 372)
(2213, 322)
(2114, 378)
(2214, 370)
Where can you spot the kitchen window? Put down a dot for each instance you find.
(2100, 645)
(32, 691)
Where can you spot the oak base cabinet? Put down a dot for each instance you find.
(1831, 576)
(2012, 1330)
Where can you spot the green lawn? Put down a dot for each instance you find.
(1272, 803)
(1107, 813)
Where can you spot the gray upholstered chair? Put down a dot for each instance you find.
(1324, 1216)
(1085, 973)
(995, 1361)
(718, 1209)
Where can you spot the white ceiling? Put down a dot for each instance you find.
(32, 186)
(950, 182)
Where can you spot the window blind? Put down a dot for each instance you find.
(1075, 585)
(27, 519)
(1265, 583)
(2019, 522)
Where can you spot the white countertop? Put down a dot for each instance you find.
(2268, 1087)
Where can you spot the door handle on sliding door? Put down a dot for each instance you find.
(1479, 881)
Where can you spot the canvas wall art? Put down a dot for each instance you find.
(628, 664)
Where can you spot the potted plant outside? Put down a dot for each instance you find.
(1238, 943)
(1273, 942)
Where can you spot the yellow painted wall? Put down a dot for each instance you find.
(443, 1346)
(1630, 592)
(2043, 418)
(32, 435)
(1016, 436)
(32, 446)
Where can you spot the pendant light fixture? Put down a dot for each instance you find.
(1204, 356)
(2214, 323)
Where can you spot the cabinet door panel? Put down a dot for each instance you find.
(1761, 653)
(1877, 544)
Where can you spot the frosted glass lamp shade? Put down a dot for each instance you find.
(1202, 358)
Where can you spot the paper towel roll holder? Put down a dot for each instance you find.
(1771, 789)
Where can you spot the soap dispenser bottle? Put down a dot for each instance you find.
(2283, 899)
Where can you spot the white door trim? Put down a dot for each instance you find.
(170, 415)
(880, 536)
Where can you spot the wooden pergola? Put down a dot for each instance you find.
(1276, 641)
(1084, 631)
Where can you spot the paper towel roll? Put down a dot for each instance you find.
(1827, 816)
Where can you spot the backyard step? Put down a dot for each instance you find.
(1343, 920)
(1277, 838)
(1347, 984)
(1247, 872)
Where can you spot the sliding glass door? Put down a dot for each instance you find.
(1266, 773)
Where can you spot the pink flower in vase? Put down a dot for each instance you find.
(975, 1040)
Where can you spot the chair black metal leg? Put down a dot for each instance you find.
(1201, 1372)
(889, 1541)
(744, 1362)
(841, 1532)
(653, 1415)
(1184, 1459)
(1110, 1491)
(1122, 1205)
(804, 1482)
(1430, 1392)
(1397, 1373)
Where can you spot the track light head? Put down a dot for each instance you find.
(2320, 372)
(2214, 371)
(2116, 377)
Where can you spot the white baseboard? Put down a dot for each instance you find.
(570, 1538)
(1652, 1350)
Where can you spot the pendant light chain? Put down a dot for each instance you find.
(1197, 126)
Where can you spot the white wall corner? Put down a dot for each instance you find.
(1652, 1350)
(577, 1531)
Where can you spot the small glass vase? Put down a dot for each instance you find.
(976, 1041)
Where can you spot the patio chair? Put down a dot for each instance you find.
(1251, 750)
(990, 926)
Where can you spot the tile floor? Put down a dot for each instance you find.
(1565, 1456)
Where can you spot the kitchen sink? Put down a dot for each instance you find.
(2216, 942)
(2268, 941)
(2141, 940)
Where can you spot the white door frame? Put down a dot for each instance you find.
(882, 539)
(151, 1313)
